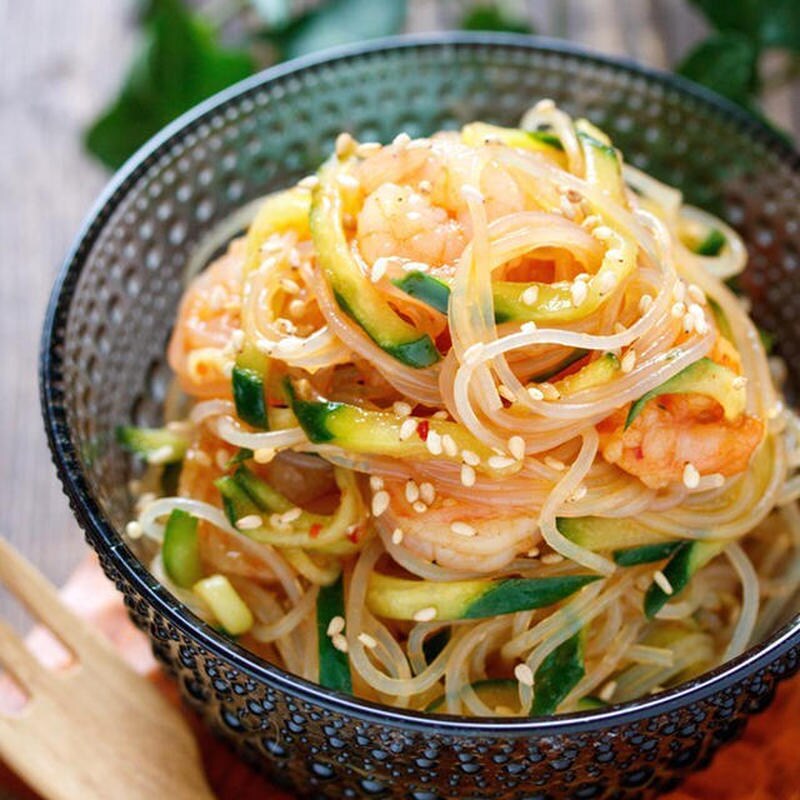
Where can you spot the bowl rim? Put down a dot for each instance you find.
(109, 543)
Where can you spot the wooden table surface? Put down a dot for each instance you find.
(59, 63)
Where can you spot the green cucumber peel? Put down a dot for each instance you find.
(334, 665)
(558, 675)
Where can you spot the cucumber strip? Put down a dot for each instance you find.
(236, 502)
(425, 288)
(687, 559)
(720, 318)
(478, 133)
(590, 703)
(712, 244)
(492, 691)
(262, 494)
(334, 665)
(646, 554)
(702, 377)
(181, 550)
(558, 675)
(155, 445)
(602, 162)
(248, 395)
(170, 478)
(226, 604)
(595, 373)
(568, 361)
(607, 533)
(243, 454)
(400, 598)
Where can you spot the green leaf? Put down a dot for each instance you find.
(725, 63)
(338, 22)
(179, 64)
(771, 23)
(492, 17)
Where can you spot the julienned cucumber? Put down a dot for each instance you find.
(155, 445)
(687, 559)
(596, 373)
(225, 604)
(478, 133)
(712, 244)
(646, 554)
(181, 550)
(248, 395)
(558, 675)
(334, 665)
(608, 533)
(603, 164)
(423, 287)
(400, 598)
(702, 377)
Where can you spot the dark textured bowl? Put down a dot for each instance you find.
(102, 363)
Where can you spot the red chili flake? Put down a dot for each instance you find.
(354, 534)
(639, 453)
(314, 531)
(422, 429)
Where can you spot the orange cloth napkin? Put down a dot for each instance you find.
(763, 765)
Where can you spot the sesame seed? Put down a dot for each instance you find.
(441, 414)
(471, 458)
(336, 625)
(739, 382)
(463, 529)
(530, 295)
(535, 393)
(691, 477)
(449, 445)
(367, 641)
(419, 507)
(506, 393)
(545, 104)
(401, 409)
(528, 327)
(552, 558)
(309, 182)
(425, 186)
(516, 446)
(678, 310)
(348, 181)
(606, 282)
(221, 457)
(524, 674)
(434, 443)
(603, 233)
(579, 293)
(701, 326)
(591, 222)
(133, 529)
(628, 361)
(402, 139)
(663, 582)
(427, 492)
(567, 209)
(289, 286)
(380, 502)
(425, 614)
(578, 494)
(249, 523)
(467, 475)
(263, 455)
(378, 269)
(339, 642)
(696, 294)
(413, 216)
(473, 353)
(716, 480)
(645, 301)
(408, 429)
(412, 491)
(345, 144)
(285, 326)
(160, 455)
(549, 391)
(582, 276)
(204, 459)
(291, 515)
(533, 552)
(607, 692)
(397, 536)
(555, 463)
(416, 266)
(501, 462)
(688, 323)
(376, 483)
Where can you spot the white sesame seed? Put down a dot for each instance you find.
(688, 323)
(378, 269)
(701, 326)
(606, 282)
(463, 529)
(582, 276)
(524, 674)
(449, 445)
(401, 409)
(413, 216)
(249, 522)
(291, 515)
(336, 625)
(663, 582)
(339, 642)
(549, 391)
(160, 455)
(555, 463)
(348, 181)
(716, 480)
(441, 414)
(678, 310)
(467, 475)
(696, 294)
(506, 393)
(471, 458)
(533, 552)
(628, 361)
(285, 326)
(412, 491)
(516, 446)
(367, 641)
(204, 459)
(407, 429)
(739, 382)
(535, 393)
(402, 139)
(344, 144)
(473, 353)
(134, 529)
(397, 536)
(263, 455)
(501, 462)
(691, 477)
(419, 507)
(607, 692)
(434, 443)
(427, 492)
(289, 286)
(552, 558)
(603, 233)
(579, 293)
(528, 327)
(375, 483)
(380, 502)
(578, 494)
(425, 186)
(645, 301)
(416, 266)
(591, 222)
(221, 457)
(309, 182)
(425, 614)
(530, 295)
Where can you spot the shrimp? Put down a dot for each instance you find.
(209, 313)
(675, 431)
(491, 542)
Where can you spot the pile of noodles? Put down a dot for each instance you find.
(482, 383)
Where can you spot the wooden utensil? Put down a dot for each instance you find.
(96, 730)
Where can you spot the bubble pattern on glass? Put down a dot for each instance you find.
(105, 365)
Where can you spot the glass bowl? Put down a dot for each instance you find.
(102, 363)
